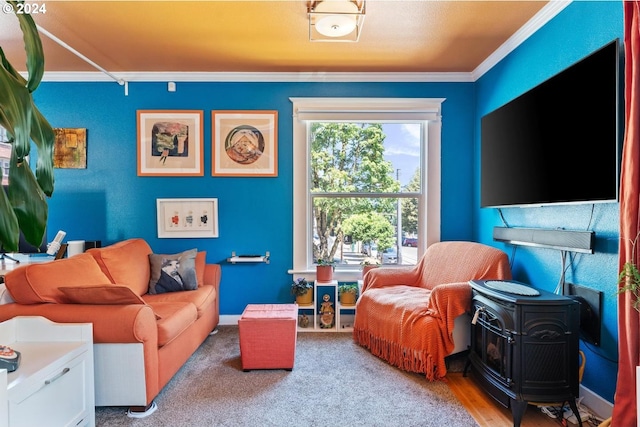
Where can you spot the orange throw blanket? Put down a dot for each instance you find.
(406, 315)
(412, 328)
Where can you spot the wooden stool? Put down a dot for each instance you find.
(268, 335)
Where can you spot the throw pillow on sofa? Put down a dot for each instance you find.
(102, 295)
(107, 294)
(172, 273)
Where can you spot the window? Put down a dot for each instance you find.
(359, 200)
(5, 157)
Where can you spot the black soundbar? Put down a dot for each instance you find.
(566, 240)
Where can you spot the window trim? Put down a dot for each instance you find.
(427, 110)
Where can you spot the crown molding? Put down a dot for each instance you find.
(96, 76)
(546, 14)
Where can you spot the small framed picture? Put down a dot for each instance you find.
(170, 143)
(70, 148)
(245, 143)
(178, 218)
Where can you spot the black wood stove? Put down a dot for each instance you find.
(524, 345)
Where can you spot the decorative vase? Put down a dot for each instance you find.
(305, 299)
(348, 298)
(324, 273)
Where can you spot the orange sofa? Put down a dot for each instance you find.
(140, 340)
(413, 317)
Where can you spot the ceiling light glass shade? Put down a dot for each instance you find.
(336, 20)
(336, 25)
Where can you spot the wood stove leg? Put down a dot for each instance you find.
(517, 411)
(574, 408)
(467, 365)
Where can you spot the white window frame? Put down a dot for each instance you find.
(400, 110)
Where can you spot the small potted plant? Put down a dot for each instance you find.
(369, 264)
(303, 291)
(348, 293)
(324, 270)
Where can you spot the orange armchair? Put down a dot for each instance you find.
(407, 315)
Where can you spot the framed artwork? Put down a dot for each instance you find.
(179, 218)
(70, 148)
(170, 143)
(245, 143)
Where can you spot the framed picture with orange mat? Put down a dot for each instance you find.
(170, 143)
(245, 143)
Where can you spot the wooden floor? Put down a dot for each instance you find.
(486, 411)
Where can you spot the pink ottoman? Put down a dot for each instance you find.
(268, 336)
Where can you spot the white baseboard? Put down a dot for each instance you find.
(598, 405)
(229, 319)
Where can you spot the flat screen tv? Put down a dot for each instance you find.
(558, 143)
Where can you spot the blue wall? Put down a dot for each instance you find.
(578, 30)
(109, 202)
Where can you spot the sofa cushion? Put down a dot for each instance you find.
(175, 317)
(202, 298)
(125, 263)
(39, 282)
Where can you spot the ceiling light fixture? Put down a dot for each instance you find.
(336, 20)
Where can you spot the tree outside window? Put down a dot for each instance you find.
(358, 201)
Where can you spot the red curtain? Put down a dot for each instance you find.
(624, 410)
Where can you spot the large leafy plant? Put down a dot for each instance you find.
(24, 205)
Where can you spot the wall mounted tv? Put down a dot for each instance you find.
(558, 143)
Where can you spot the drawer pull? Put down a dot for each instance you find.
(64, 371)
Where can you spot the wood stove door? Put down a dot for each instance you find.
(492, 341)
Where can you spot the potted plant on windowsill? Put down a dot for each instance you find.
(369, 264)
(303, 291)
(348, 293)
(324, 270)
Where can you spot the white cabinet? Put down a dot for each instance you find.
(54, 383)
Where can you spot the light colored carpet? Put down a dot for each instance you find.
(334, 382)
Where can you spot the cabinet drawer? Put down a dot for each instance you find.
(55, 398)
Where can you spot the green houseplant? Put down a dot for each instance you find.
(348, 293)
(630, 279)
(24, 205)
(302, 290)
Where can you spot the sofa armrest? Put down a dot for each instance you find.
(129, 323)
(381, 277)
(447, 302)
(212, 273)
